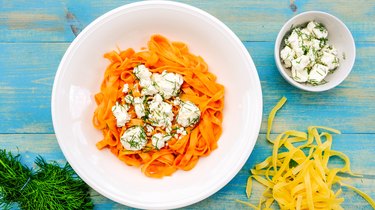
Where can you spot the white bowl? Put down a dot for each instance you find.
(338, 35)
(79, 77)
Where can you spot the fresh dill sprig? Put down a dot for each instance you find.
(13, 175)
(48, 187)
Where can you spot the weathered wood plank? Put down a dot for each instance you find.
(27, 72)
(33, 21)
(34, 36)
(360, 153)
(60, 21)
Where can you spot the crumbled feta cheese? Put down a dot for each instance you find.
(125, 89)
(188, 114)
(167, 84)
(158, 140)
(149, 128)
(129, 99)
(312, 56)
(299, 51)
(317, 29)
(294, 40)
(134, 138)
(144, 76)
(301, 62)
(318, 73)
(330, 49)
(287, 55)
(320, 32)
(158, 98)
(310, 26)
(315, 44)
(142, 72)
(157, 113)
(176, 101)
(148, 88)
(121, 114)
(181, 131)
(139, 106)
(305, 34)
(138, 100)
(306, 47)
(161, 114)
(330, 60)
(299, 75)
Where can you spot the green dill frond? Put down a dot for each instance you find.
(48, 187)
(13, 175)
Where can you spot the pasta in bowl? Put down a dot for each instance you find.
(160, 108)
(75, 101)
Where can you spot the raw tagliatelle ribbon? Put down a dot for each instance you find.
(296, 175)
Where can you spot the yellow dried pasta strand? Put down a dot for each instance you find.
(364, 195)
(263, 181)
(249, 186)
(272, 116)
(247, 204)
(307, 184)
(326, 128)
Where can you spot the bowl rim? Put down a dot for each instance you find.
(302, 86)
(86, 31)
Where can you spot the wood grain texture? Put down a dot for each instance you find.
(35, 34)
(30, 145)
(26, 85)
(27, 74)
(59, 21)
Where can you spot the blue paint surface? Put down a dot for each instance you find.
(34, 36)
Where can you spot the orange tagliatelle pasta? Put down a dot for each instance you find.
(199, 87)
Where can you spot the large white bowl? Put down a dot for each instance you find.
(81, 71)
(338, 35)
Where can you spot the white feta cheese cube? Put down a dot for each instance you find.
(330, 60)
(299, 75)
(121, 114)
(129, 99)
(139, 107)
(125, 89)
(142, 72)
(134, 138)
(318, 73)
(301, 62)
(161, 114)
(287, 55)
(310, 26)
(167, 84)
(294, 40)
(188, 114)
(159, 140)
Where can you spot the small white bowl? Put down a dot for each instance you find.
(338, 35)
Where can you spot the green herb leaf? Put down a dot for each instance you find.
(49, 187)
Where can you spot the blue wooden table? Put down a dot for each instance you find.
(35, 34)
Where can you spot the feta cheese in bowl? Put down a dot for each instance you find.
(314, 51)
(308, 54)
